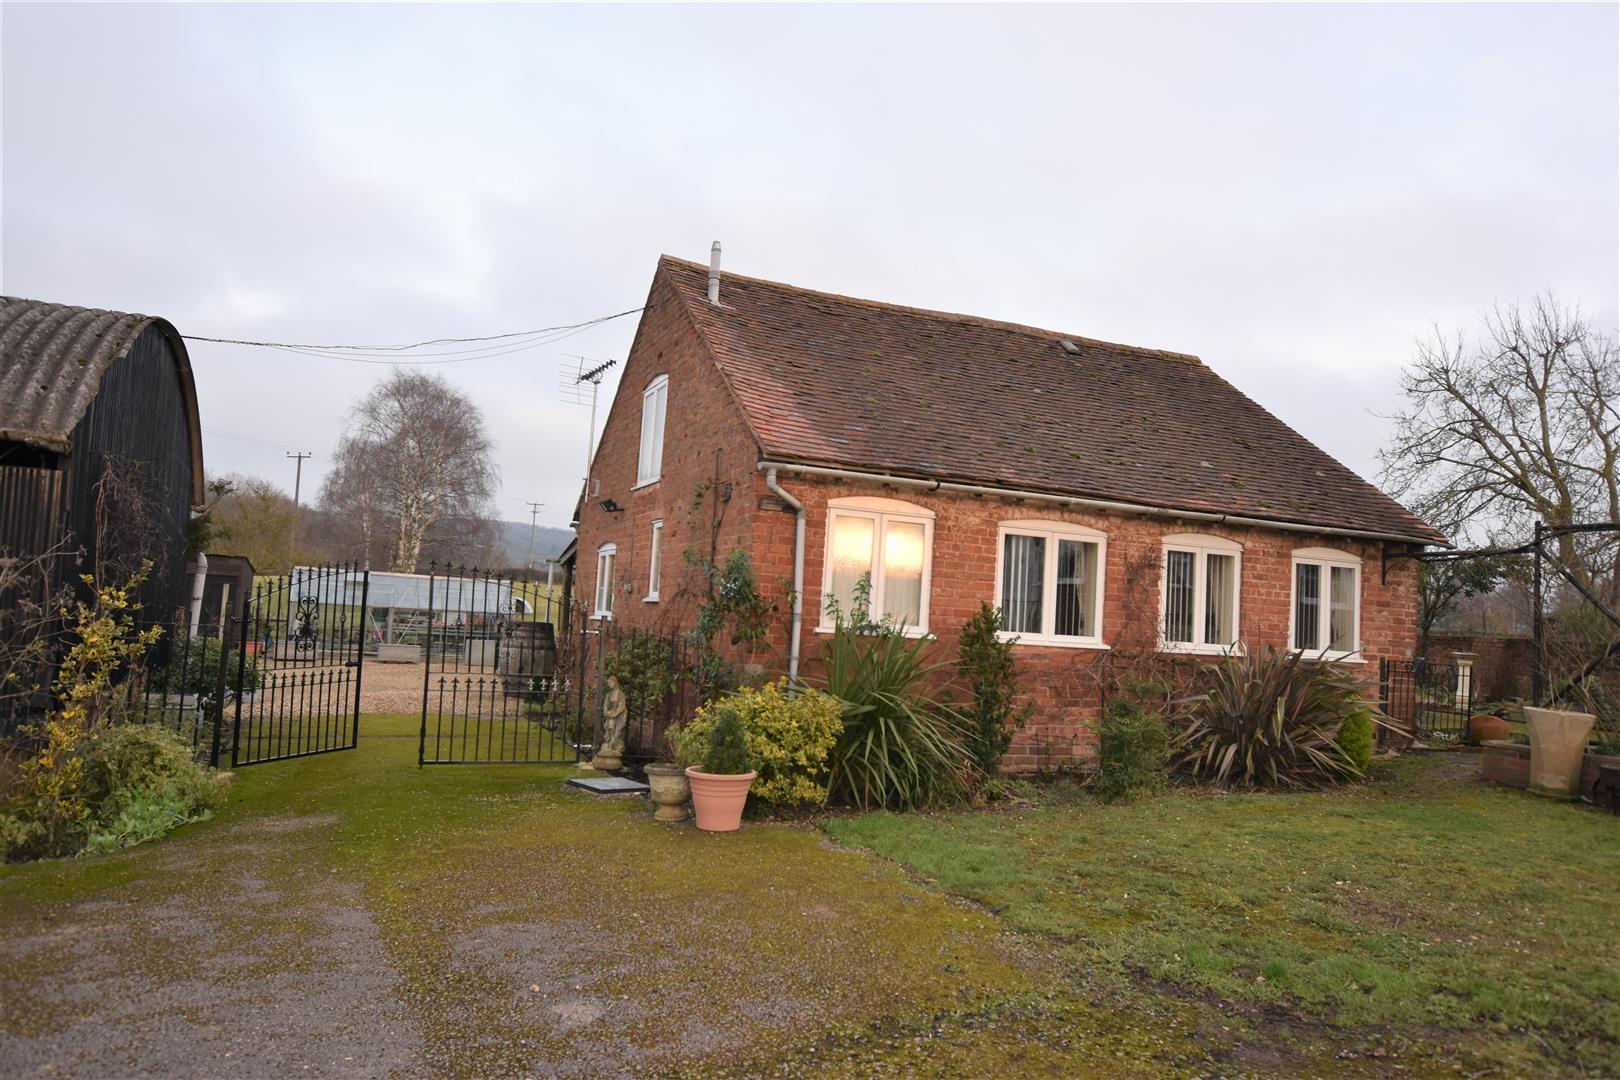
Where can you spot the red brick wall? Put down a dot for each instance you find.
(1502, 669)
(701, 420)
(1062, 681)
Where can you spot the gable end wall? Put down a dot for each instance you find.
(701, 419)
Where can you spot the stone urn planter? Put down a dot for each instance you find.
(1557, 747)
(668, 788)
(718, 798)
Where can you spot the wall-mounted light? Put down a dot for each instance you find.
(611, 507)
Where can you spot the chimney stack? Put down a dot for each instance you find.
(714, 274)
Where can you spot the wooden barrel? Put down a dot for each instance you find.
(528, 652)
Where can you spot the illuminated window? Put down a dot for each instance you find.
(888, 544)
(1049, 582)
(1326, 612)
(1199, 595)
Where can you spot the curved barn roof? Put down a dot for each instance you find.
(52, 359)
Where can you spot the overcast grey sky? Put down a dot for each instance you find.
(1293, 193)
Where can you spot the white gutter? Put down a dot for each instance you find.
(798, 569)
(1089, 504)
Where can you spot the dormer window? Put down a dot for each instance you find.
(654, 401)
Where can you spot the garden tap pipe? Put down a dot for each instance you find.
(798, 571)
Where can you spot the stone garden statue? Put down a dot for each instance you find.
(615, 718)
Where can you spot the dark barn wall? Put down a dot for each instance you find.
(32, 503)
(138, 417)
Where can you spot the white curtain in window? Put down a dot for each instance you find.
(1341, 609)
(1307, 606)
(1023, 570)
(653, 567)
(851, 558)
(1076, 585)
(604, 582)
(903, 572)
(651, 461)
(1220, 596)
(1178, 596)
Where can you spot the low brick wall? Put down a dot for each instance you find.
(1509, 763)
(1506, 763)
(1502, 667)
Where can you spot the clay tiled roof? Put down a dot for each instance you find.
(834, 381)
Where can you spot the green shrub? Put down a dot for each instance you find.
(641, 663)
(790, 739)
(1356, 739)
(1133, 745)
(727, 752)
(129, 763)
(984, 664)
(1268, 719)
(144, 815)
(193, 668)
(903, 744)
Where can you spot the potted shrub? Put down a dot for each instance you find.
(720, 785)
(667, 785)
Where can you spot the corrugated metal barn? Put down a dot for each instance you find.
(98, 409)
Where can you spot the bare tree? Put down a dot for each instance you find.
(1517, 424)
(254, 518)
(415, 462)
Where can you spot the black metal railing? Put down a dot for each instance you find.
(1428, 702)
(498, 686)
(299, 665)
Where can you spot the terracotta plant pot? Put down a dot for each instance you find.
(1557, 747)
(668, 789)
(1483, 728)
(718, 798)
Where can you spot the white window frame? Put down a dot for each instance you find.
(655, 566)
(1327, 559)
(609, 554)
(1201, 546)
(880, 512)
(654, 412)
(1053, 531)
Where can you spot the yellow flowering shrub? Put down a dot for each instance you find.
(790, 738)
(43, 809)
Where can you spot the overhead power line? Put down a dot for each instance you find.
(486, 346)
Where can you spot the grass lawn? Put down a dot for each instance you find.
(353, 915)
(1427, 904)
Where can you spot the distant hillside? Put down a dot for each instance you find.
(512, 538)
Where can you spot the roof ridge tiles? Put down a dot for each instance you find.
(945, 316)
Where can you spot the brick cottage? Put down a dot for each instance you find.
(1102, 496)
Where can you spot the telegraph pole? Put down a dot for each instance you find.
(534, 513)
(298, 481)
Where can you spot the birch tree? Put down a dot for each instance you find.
(416, 456)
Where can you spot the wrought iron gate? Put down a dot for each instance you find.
(499, 686)
(1431, 702)
(299, 664)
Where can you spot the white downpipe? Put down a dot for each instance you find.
(199, 581)
(1090, 504)
(798, 572)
